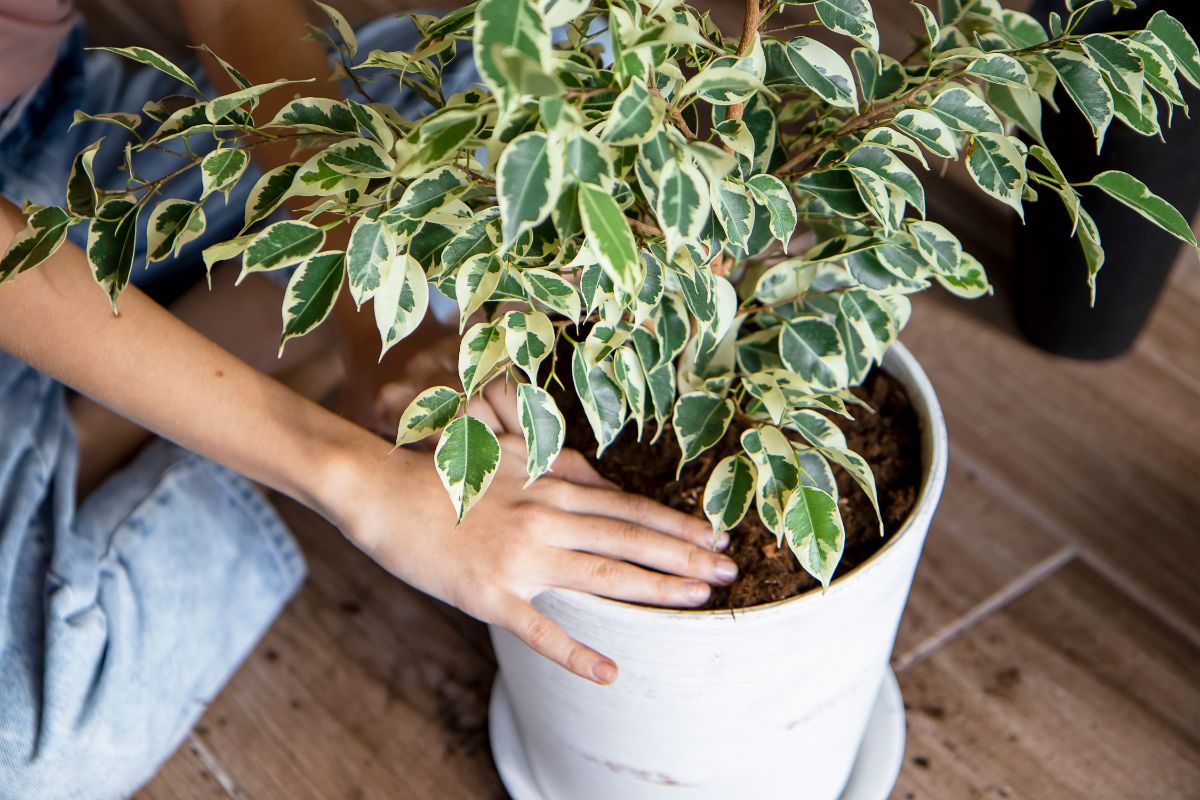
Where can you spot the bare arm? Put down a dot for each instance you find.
(571, 530)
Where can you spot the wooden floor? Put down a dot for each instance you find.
(1051, 645)
(1049, 651)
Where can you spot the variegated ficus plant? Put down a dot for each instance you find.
(723, 229)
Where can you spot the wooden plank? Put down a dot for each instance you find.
(184, 777)
(361, 689)
(1072, 691)
(979, 545)
(1104, 454)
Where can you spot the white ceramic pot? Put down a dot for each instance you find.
(770, 701)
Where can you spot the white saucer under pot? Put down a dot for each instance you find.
(771, 701)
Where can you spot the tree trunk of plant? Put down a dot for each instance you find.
(1051, 297)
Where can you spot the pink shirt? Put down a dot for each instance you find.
(30, 33)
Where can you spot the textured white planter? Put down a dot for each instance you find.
(770, 701)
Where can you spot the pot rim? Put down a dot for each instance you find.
(933, 435)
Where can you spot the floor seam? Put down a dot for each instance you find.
(1133, 591)
(989, 605)
(1129, 587)
(209, 760)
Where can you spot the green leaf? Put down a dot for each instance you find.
(772, 193)
(610, 238)
(44, 232)
(428, 193)
(542, 425)
(528, 181)
(81, 184)
(310, 294)
(1181, 44)
(318, 114)
(636, 116)
(778, 473)
(721, 84)
(836, 188)
(361, 158)
(528, 338)
(870, 317)
(269, 192)
(998, 167)
(888, 167)
(223, 105)
(879, 75)
(1121, 66)
(603, 403)
(281, 245)
(938, 245)
(474, 284)
(999, 68)
(729, 491)
(342, 27)
(734, 211)
(471, 240)
(969, 281)
(428, 413)
(467, 458)
(814, 531)
(111, 242)
(400, 301)
(851, 17)
(518, 24)
(173, 224)
(1093, 252)
(1086, 87)
(553, 291)
(823, 70)
(812, 348)
(700, 421)
(929, 130)
(963, 111)
(220, 170)
(1136, 195)
(371, 246)
(1022, 106)
(631, 378)
(683, 204)
(480, 354)
(150, 58)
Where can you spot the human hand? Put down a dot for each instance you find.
(569, 529)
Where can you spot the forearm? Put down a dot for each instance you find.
(158, 372)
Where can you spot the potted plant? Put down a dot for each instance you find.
(615, 211)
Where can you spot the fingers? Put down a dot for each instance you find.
(573, 466)
(628, 541)
(536, 630)
(620, 505)
(620, 581)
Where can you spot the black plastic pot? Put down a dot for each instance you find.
(1051, 296)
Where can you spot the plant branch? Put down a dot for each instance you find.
(750, 26)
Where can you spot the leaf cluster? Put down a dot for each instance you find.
(628, 178)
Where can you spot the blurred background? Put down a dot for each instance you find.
(1050, 645)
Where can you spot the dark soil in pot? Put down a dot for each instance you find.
(889, 439)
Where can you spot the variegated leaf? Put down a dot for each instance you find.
(466, 459)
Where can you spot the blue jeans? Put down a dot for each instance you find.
(121, 618)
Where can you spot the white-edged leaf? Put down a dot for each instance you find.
(400, 301)
(529, 339)
(466, 459)
(543, 427)
(1136, 195)
(814, 531)
(310, 294)
(729, 492)
(428, 413)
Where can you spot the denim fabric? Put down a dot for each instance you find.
(122, 618)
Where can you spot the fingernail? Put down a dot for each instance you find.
(722, 540)
(698, 592)
(605, 672)
(725, 569)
